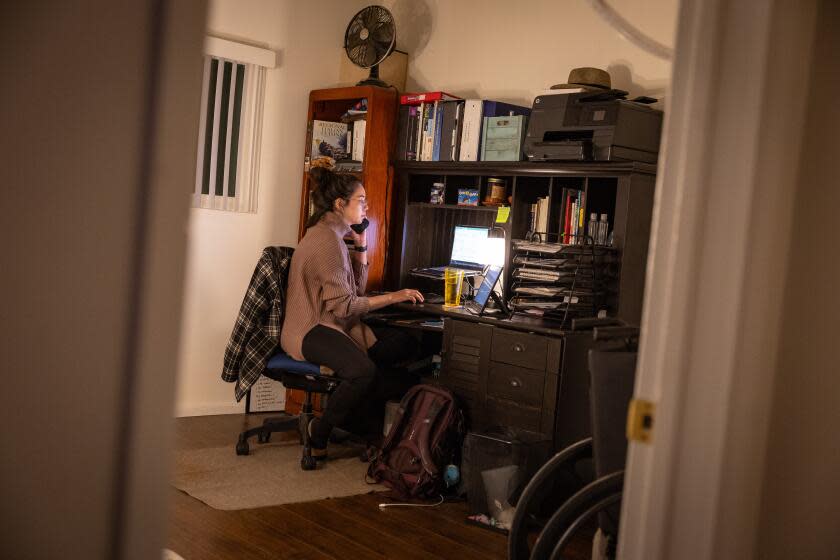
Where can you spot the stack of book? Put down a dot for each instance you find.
(342, 142)
(539, 216)
(561, 281)
(438, 126)
(572, 217)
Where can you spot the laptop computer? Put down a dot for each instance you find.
(468, 253)
(479, 303)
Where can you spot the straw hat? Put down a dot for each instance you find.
(589, 78)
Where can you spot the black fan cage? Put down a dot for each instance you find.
(370, 37)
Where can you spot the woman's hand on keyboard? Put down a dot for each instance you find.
(407, 294)
(380, 301)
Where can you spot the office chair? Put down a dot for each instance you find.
(596, 501)
(306, 376)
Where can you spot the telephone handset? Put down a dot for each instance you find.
(359, 228)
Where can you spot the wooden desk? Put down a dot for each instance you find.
(523, 373)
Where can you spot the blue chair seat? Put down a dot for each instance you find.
(284, 362)
(295, 374)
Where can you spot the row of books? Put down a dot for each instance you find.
(437, 126)
(572, 221)
(573, 228)
(338, 140)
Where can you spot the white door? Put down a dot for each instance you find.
(716, 296)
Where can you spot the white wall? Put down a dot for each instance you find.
(510, 51)
(224, 247)
(494, 49)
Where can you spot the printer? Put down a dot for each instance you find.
(587, 126)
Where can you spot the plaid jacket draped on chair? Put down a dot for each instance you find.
(256, 334)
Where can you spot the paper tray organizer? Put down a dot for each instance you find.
(562, 281)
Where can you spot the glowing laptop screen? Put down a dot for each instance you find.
(469, 246)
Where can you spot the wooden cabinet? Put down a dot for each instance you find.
(622, 191)
(377, 173)
(528, 381)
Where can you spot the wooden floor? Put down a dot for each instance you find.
(343, 528)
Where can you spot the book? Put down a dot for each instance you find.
(475, 110)
(421, 129)
(407, 133)
(567, 216)
(413, 126)
(451, 130)
(328, 139)
(402, 132)
(426, 97)
(438, 130)
(429, 132)
(358, 153)
(503, 138)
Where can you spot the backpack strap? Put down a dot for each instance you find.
(423, 435)
(405, 404)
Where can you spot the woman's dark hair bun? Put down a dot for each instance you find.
(320, 176)
(327, 187)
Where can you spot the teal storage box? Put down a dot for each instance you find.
(502, 137)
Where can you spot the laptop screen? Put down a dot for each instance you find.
(487, 285)
(468, 246)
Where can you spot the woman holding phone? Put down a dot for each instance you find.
(325, 303)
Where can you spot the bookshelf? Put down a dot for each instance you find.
(422, 236)
(377, 173)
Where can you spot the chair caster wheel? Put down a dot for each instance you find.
(263, 437)
(307, 463)
(242, 448)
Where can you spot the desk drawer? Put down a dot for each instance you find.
(519, 349)
(504, 412)
(521, 385)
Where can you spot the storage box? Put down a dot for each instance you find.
(502, 138)
(498, 465)
(468, 197)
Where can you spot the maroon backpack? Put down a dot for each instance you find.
(425, 437)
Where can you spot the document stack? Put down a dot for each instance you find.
(563, 281)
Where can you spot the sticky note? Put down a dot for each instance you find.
(502, 214)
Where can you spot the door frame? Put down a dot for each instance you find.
(716, 272)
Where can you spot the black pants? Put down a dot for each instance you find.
(368, 380)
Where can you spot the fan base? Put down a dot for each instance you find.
(373, 82)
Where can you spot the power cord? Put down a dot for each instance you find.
(384, 505)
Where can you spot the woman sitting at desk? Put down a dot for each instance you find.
(325, 303)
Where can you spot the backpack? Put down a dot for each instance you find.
(426, 436)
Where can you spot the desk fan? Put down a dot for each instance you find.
(369, 39)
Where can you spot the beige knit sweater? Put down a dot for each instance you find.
(326, 287)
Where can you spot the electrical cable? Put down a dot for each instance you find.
(384, 505)
(631, 32)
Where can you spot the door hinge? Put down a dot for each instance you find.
(640, 420)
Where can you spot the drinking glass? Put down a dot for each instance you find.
(453, 278)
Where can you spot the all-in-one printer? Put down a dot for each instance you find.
(587, 126)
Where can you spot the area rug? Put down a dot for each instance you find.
(269, 476)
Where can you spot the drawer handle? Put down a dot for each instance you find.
(518, 348)
(514, 382)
